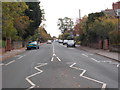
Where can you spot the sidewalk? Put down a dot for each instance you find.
(11, 53)
(105, 53)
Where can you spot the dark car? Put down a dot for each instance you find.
(32, 45)
(71, 43)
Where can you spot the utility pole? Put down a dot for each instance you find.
(79, 14)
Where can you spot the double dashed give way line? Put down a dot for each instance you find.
(98, 61)
(3, 64)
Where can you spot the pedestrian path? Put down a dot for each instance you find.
(105, 53)
(11, 53)
(8, 54)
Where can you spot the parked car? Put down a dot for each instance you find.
(65, 42)
(32, 45)
(60, 41)
(71, 43)
(49, 41)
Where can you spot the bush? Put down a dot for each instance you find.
(2, 43)
(114, 37)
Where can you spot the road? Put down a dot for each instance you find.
(56, 66)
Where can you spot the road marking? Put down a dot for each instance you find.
(1, 64)
(10, 62)
(52, 59)
(7, 63)
(54, 55)
(82, 75)
(118, 65)
(20, 57)
(95, 60)
(85, 55)
(53, 49)
(58, 58)
(39, 71)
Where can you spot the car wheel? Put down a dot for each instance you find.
(28, 49)
(38, 47)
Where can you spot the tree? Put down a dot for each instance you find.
(10, 12)
(65, 24)
(35, 14)
(42, 34)
(21, 24)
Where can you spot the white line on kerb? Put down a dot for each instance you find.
(82, 75)
(85, 55)
(40, 71)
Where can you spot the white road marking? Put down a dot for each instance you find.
(39, 71)
(95, 60)
(10, 62)
(85, 55)
(58, 58)
(54, 55)
(1, 64)
(82, 75)
(7, 63)
(20, 57)
(52, 59)
(118, 65)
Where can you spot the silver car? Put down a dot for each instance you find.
(71, 43)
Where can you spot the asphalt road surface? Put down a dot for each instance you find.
(56, 66)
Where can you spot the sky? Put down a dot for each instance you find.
(55, 9)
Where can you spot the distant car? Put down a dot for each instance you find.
(71, 43)
(32, 45)
(65, 42)
(60, 41)
(49, 41)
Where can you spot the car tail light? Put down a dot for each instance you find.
(34, 45)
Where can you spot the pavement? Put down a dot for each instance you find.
(56, 66)
(12, 53)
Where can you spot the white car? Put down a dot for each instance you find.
(60, 41)
(65, 42)
(49, 41)
(71, 43)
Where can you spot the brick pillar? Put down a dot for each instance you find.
(8, 45)
(105, 44)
